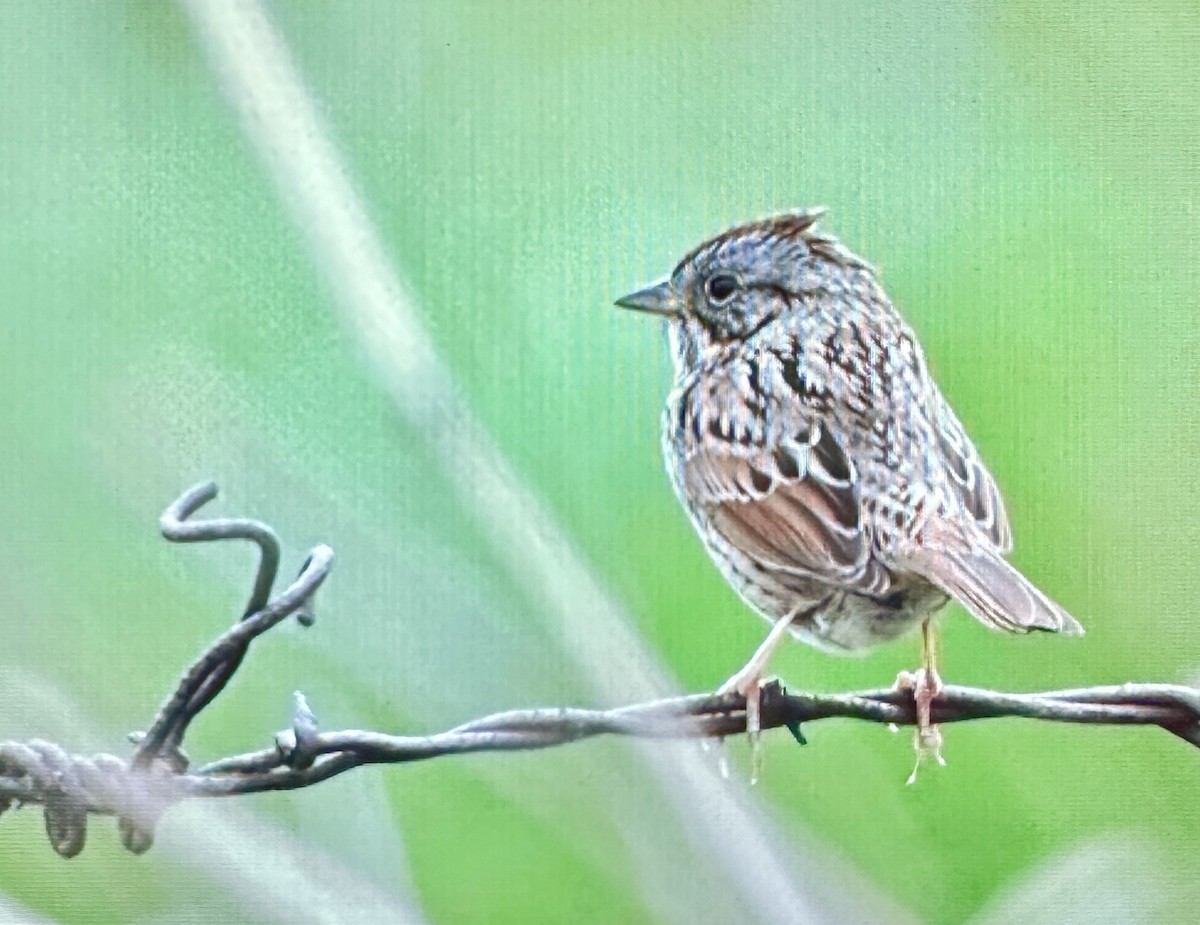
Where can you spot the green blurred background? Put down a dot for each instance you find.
(1026, 175)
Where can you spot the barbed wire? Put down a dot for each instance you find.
(137, 791)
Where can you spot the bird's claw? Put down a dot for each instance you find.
(750, 684)
(925, 684)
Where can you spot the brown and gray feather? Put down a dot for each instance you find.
(816, 456)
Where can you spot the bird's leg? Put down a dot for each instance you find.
(925, 684)
(748, 682)
(929, 685)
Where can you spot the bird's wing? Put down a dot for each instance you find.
(964, 556)
(971, 482)
(790, 503)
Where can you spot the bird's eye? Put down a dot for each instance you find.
(720, 288)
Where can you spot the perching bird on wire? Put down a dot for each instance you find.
(823, 469)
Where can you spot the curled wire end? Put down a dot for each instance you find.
(298, 746)
(177, 525)
(322, 557)
(66, 825)
(171, 523)
(134, 838)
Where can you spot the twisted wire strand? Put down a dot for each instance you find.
(71, 787)
(177, 527)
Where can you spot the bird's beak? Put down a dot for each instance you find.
(658, 299)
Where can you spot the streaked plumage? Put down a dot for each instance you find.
(817, 459)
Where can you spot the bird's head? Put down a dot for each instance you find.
(733, 285)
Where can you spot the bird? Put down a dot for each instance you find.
(826, 474)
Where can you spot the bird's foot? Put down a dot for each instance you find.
(925, 684)
(749, 683)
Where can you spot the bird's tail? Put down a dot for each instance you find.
(995, 593)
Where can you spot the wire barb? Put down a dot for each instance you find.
(70, 787)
